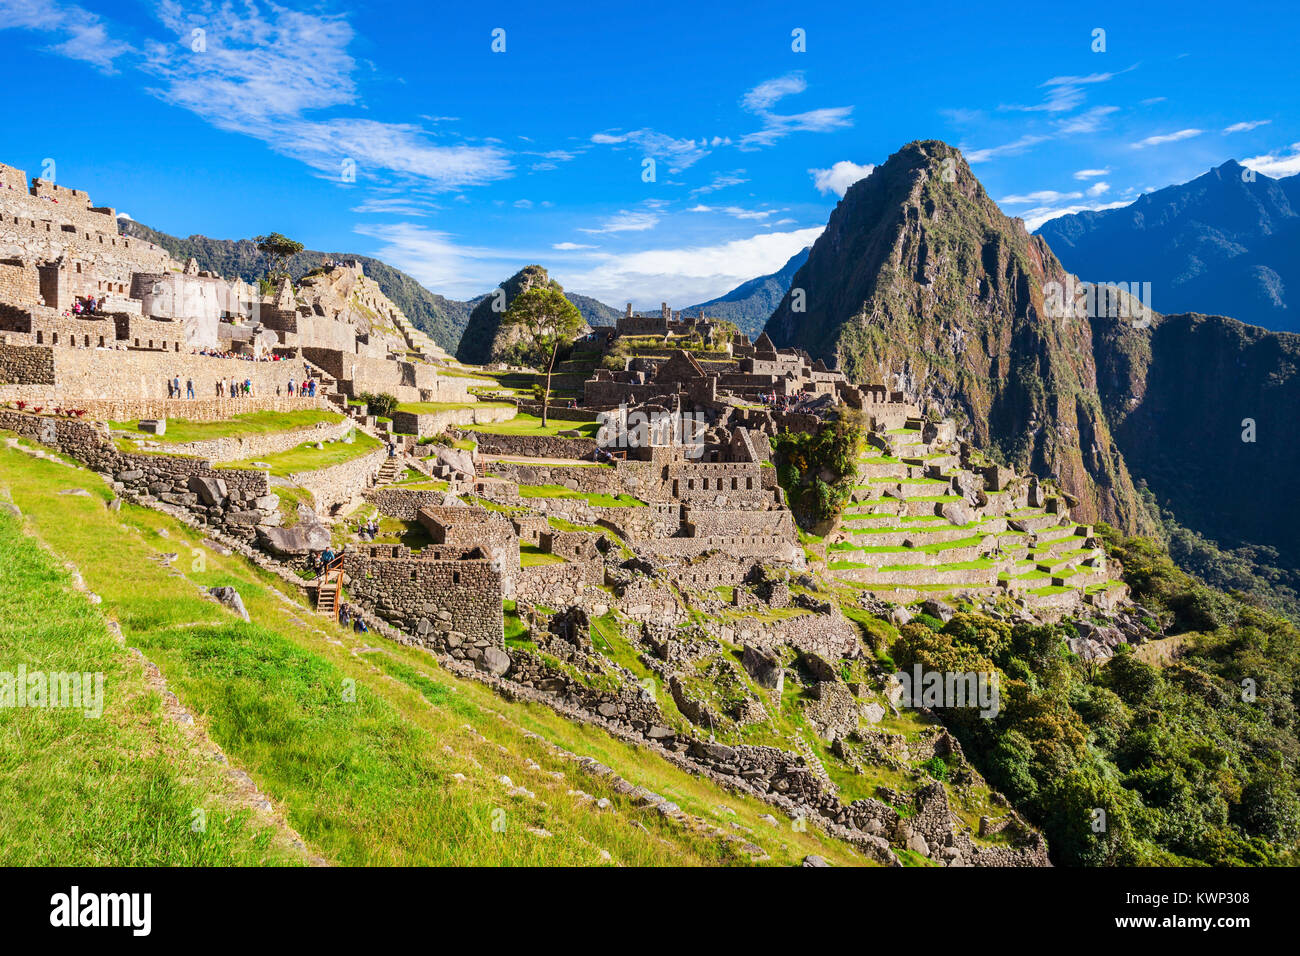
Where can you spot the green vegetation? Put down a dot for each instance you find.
(1193, 763)
(803, 457)
(120, 789)
(181, 430)
(546, 322)
(381, 404)
(592, 498)
(523, 424)
(306, 457)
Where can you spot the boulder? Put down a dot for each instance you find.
(212, 491)
(309, 534)
(494, 661)
(957, 512)
(458, 460)
(765, 668)
(231, 599)
(938, 609)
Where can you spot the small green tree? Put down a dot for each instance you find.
(546, 322)
(280, 249)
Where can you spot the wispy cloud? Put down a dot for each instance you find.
(1042, 196)
(261, 73)
(1006, 149)
(625, 221)
(1091, 173)
(78, 33)
(683, 275)
(1245, 127)
(1162, 138)
(839, 177)
(1040, 214)
(767, 94)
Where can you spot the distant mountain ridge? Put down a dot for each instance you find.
(751, 303)
(442, 318)
(1228, 242)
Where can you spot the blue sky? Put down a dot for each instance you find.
(471, 163)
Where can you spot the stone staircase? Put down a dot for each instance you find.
(390, 470)
(327, 387)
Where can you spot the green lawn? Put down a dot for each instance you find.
(593, 499)
(530, 556)
(432, 408)
(120, 789)
(523, 424)
(307, 458)
(249, 423)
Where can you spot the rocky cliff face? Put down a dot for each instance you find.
(920, 281)
(485, 339)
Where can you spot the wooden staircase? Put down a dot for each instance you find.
(329, 588)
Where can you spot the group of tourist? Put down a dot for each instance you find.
(305, 389)
(234, 388)
(87, 305)
(346, 615)
(368, 530)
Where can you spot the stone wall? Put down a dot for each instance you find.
(237, 501)
(561, 585)
(534, 446)
(402, 503)
(21, 365)
(451, 606)
(428, 424)
(81, 374)
(337, 484)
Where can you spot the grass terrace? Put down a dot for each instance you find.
(181, 430)
(306, 457)
(594, 499)
(523, 424)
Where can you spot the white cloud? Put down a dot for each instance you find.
(721, 181)
(570, 246)
(1275, 164)
(1042, 196)
(441, 265)
(839, 177)
(262, 73)
(682, 276)
(81, 35)
(1036, 217)
(1245, 127)
(763, 97)
(1097, 189)
(1166, 138)
(766, 94)
(1091, 173)
(679, 154)
(1006, 149)
(626, 221)
(1089, 121)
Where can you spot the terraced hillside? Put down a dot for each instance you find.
(303, 740)
(921, 524)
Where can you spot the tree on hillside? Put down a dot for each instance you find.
(546, 321)
(280, 249)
